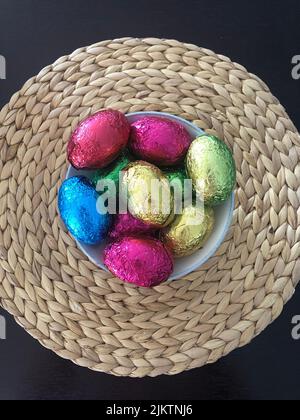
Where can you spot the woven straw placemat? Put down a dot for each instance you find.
(84, 314)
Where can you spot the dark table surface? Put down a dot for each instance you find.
(261, 35)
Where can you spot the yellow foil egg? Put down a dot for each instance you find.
(148, 192)
(189, 231)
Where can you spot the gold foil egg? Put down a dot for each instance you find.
(189, 231)
(148, 193)
(211, 167)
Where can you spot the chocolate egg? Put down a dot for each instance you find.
(189, 231)
(181, 187)
(211, 167)
(159, 140)
(177, 175)
(126, 224)
(77, 203)
(98, 140)
(148, 192)
(139, 260)
(112, 172)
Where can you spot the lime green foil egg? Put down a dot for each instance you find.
(211, 167)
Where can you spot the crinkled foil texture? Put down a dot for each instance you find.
(159, 140)
(98, 140)
(112, 172)
(126, 225)
(151, 205)
(189, 231)
(211, 167)
(145, 262)
(77, 203)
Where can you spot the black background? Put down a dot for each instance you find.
(263, 36)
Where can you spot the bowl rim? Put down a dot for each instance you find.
(229, 218)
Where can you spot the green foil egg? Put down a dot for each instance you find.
(189, 231)
(178, 175)
(181, 186)
(112, 172)
(211, 167)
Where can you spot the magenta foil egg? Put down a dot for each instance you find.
(143, 261)
(159, 140)
(126, 224)
(98, 140)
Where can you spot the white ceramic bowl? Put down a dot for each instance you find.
(186, 265)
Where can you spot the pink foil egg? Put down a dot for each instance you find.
(98, 140)
(126, 224)
(143, 261)
(159, 140)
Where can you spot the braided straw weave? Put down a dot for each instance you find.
(83, 313)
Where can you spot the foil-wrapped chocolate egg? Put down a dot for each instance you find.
(98, 140)
(177, 175)
(143, 261)
(189, 231)
(158, 140)
(181, 187)
(211, 167)
(77, 203)
(112, 172)
(148, 192)
(126, 224)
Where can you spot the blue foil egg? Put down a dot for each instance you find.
(77, 203)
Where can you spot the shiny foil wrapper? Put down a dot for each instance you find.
(189, 231)
(126, 225)
(177, 178)
(98, 140)
(112, 172)
(178, 175)
(181, 187)
(160, 141)
(145, 262)
(150, 198)
(211, 167)
(77, 203)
